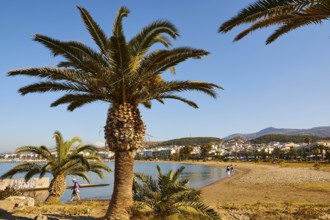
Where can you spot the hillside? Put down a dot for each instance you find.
(189, 141)
(317, 131)
(286, 138)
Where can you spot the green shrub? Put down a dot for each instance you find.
(8, 191)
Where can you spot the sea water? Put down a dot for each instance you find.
(199, 176)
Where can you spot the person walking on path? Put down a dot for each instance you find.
(75, 190)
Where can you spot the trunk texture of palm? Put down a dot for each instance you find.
(124, 133)
(56, 189)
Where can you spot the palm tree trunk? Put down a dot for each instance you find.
(124, 133)
(122, 197)
(56, 189)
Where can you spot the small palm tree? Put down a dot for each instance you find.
(169, 195)
(289, 14)
(124, 74)
(66, 161)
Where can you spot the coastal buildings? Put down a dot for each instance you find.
(234, 149)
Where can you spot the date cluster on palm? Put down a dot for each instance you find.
(124, 129)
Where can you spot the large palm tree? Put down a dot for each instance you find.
(170, 194)
(124, 74)
(288, 14)
(70, 158)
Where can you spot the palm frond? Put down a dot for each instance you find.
(69, 98)
(82, 175)
(117, 29)
(257, 10)
(289, 14)
(101, 166)
(190, 103)
(42, 151)
(78, 103)
(45, 169)
(291, 25)
(33, 171)
(180, 86)
(203, 209)
(151, 34)
(51, 87)
(21, 168)
(177, 173)
(62, 148)
(70, 144)
(51, 74)
(95, 31)
(161, 60)
(91, 57)
(147, 104)
(76, 58)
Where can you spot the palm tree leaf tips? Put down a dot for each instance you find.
(288, 14)
(95, 31)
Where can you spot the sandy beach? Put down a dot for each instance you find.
(267, 187)
(260, 182)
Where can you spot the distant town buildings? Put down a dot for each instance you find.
(237, 148)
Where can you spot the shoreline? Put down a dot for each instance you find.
(262, 190)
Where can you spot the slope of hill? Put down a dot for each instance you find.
(190, 141)
(286, 138)
(317, 131)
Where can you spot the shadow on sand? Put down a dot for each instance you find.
(10, 216)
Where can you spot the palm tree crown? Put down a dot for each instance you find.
(288, 14)
(66, 161)
(119, 72)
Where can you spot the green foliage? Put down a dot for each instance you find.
(68, 160)
(288, 14)
(190, 141)
(185, 152)
(8, 191)
(265, 139)
(119, 71)
(205, 150)
(169, 195)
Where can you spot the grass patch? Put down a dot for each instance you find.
(313, 165)
(318, 187)
(85, 208)
(274, 210)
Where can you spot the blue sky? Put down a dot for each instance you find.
(284, 85)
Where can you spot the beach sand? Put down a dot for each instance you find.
(268, 185)
(253, 189)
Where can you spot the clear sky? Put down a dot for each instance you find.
(284, 85)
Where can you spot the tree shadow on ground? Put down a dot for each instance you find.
(11, 216)
(64, 216)
(4, 214)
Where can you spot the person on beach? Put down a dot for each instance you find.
(228, 170)
(75, 190)
(231, 169)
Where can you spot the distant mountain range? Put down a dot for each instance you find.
(317, 131)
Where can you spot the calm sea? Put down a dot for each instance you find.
(199, 175)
